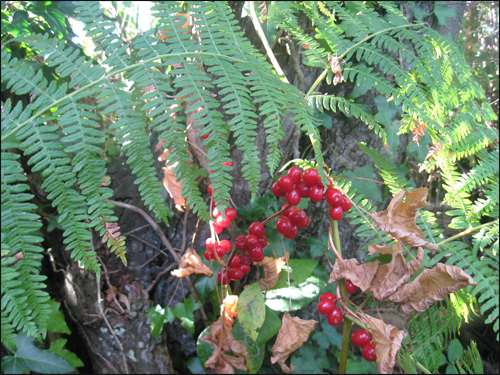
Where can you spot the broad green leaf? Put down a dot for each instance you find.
(419, 151)
(271, 326)
(158, 317)
(455, 350)
(442, 12)
(316, 246)
(392, 135)
(253, 211)
(30, 358)
(309, 360)
(328, 336)
(251, 310)
(194, 365)
(368, 188)
(56, 321)
(299, 269)
(204, 285)
(185, 311)
(255, 350)
(204, 349)
(419, 13)
(298, 296)
(57, 347)
(275, 242)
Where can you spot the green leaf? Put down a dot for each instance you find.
(300, 295)
(194, 365)
(30, 358)
(392, 135)
(419, 13)
(255, 350)
(276, 241)
(185, 311)
(299, 269)
(271, 326)
(328, 336)
(443, 12)
(56, 321)
(253, 211)
(368, 188)
(57, 347)
(158, 317)
(419, 151)
(204, 349)
(309, 360)
(455, 350)
(316, 246)
(204, 285)
(251, 310)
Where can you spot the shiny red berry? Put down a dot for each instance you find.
(325, 306)
(361, 337)
(330, 296)
(303, 189)
(263, 241)
(295, 174)
(209, 254)
(223, 277)
(228, 163)
(236, 261)
(333, 197)
(241, 242)
(292, 197)
(297, 216)
(346, 203)
(210, 190)
(369, 352)
(235, 273)
(246, 259)
(252, 241)
(225, 245)
(304, 223)
(350, 287)
(204, 136)
(256, 253)
(209, 244)
(285, 183)
(244, 268)
(283, 224)
(292, 233)
(223, 222)
(334, 317)
(336, 213)
(257, 229)
(310, 176)
(276, 190)
(231, 214)
(290, 208)
(217, 228)
(315, 193)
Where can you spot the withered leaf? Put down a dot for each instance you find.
(229, 306)
(360, 275)
(334, 63)
(392, 275)
(399, 218)
(191, 263)
(174, 187)
(223, 363)
(387, 340)
(430, 286)
(272, 268)
(292, 334)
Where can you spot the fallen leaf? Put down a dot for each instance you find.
(430, 286)
(392, 275)
(360, 275)
(191, 263)
(386, 338)
(334, 63)
(399, 219)
(229, 306)
(292, 334)
(272, 269)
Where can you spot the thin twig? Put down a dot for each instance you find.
(159, 276)
(110, 286)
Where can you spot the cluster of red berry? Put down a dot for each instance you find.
(296, 185)
(327, 306)
(362, 339)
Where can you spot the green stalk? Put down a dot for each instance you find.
(346, 333)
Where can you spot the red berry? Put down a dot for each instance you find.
(217, 228)
(283, 224)
(209, 244)
(228, 163)
(223, 222)
(231, 214)
(241, 242)
(334, 317)
(369, 352)
(251, 241)
(310, 176)
(325, 306)
(297, 216)
(333, 197)
(204, 136)
(290, 208)
(220, 250)
(263, 241)
(256, 253)
(336, 213)
(225, 245)
(295, 174)
(246, 259)
(315, 193)
(276, 190)
(236, 261)
(292, 197)
(285, 183)
(216, 212)
(303, 189)
(346, 204)
(209, 254)
(245, 268)
(223, 277)
(292, 233)
(257, 229)
(235, 273)
(361, 337)
(210, 190)
(304, 223)
(332, 297)
(350, 287)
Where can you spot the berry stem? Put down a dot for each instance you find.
(276, 214)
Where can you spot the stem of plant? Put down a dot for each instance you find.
(346, 334)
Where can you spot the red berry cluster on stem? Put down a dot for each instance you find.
(327, 306)
(362, 339)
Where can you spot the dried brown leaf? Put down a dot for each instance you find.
(360, 275)
(292, 334)
(174, 187)
(430, 286)
(392, 275)
(399, 218)
(272, 268)
(191, 263)
(334, 63)
(387, 340)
